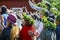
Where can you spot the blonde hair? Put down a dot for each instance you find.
(14, 32)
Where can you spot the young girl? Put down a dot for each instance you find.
(14, 34)
(11, 20)
(27, 31)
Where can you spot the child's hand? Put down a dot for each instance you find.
(30, 33)
(37, 34)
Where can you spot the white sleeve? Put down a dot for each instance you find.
(34, 6)
(40, 28)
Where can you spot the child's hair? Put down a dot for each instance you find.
(14, 32)
(27, 22)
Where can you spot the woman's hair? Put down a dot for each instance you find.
(14, 32)
(3, 10)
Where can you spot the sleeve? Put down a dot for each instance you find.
(34, 6)
(40, 28)
(2, 37)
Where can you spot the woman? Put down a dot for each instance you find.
(11, 20)
(27, 32)
(4, 15)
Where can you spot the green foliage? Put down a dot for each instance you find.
(48, 25)
(54, 9)
(55, 3)
(29, 19)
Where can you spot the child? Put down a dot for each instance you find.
(11, 19)
(28, 29)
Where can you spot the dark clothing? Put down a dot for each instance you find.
(6, 34)
(47, 35)
(58, 32)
